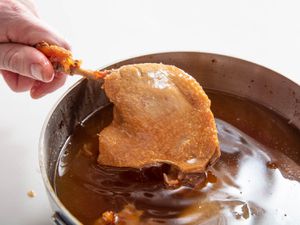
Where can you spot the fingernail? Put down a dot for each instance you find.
(37, 72)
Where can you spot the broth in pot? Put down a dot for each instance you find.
(255, 181)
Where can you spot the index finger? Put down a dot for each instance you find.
(19, 25)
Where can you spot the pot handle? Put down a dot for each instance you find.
(58, 220)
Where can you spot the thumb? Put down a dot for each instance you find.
(26, 61)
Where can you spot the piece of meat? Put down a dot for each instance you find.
(161, 114)
(129, 215)
(62, 61)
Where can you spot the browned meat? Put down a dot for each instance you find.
(161, 114)
(62, 61)
(129, 215)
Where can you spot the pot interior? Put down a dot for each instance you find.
(214, 72)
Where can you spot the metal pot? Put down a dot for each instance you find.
(217, 72)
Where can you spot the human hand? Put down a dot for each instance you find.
(23, 67)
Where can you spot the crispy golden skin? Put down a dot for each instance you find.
(161, 114)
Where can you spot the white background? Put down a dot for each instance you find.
(101, 32)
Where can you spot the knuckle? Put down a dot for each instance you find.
(10, 9)
(13, 18)
(11, 58)
(22, 84)
(12, 6)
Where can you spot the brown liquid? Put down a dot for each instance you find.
(256, 180)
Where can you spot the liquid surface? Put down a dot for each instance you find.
(256, 180)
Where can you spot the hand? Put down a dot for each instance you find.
(23, 67)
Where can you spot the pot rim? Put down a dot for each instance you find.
(193, 52)
(41, 146)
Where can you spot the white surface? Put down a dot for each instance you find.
(265, 32)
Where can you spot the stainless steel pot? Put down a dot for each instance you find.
(216, 72)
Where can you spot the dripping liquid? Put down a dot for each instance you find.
(256, 180)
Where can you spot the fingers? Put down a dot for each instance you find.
(19, 23)
(35, 30)
(37, 89)
(23, 67)
(16, 82)
(40, 89)
(32, 30)
(26, 61)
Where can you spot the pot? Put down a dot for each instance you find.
(212, 71)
